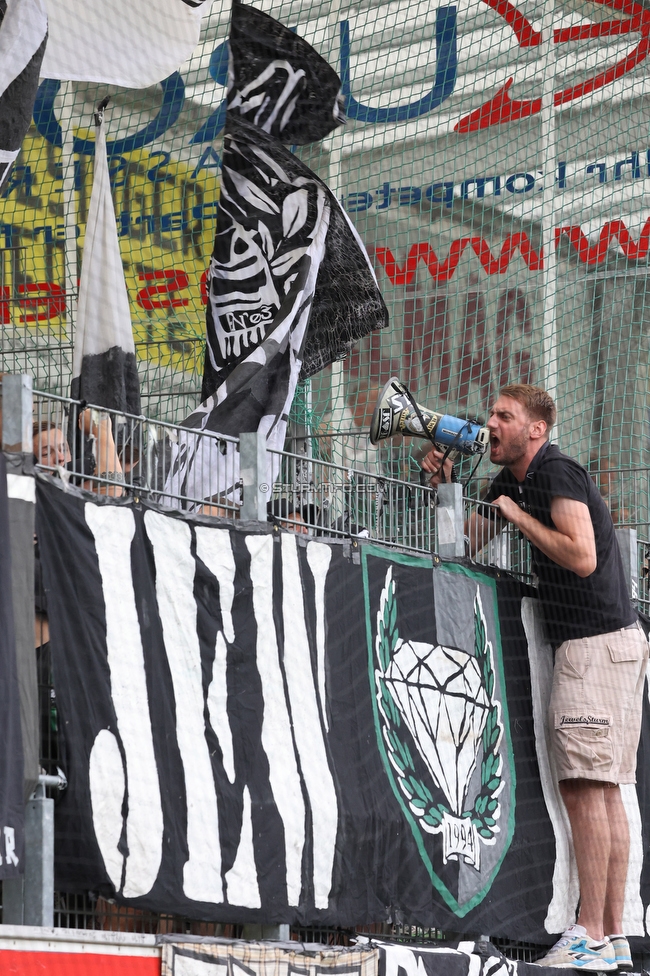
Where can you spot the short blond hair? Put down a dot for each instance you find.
(538, 404)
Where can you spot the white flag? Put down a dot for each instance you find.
(132, 43)
(104, 370)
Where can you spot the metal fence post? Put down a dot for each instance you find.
(451, 521)
(253, 466)
(16, 422)
(627, 543)
(17, 444)
(17, 416)
(39, 860)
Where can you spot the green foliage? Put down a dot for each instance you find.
(419, 796)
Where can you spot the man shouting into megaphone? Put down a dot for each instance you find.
(600, 660)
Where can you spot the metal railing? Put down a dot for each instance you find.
(627, 494)
(115, 454)
(493, 542)
(324, 498)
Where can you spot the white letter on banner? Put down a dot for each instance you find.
(276, 725)
(213, 548)
(113, 529)
(107, 786)
(10, 846)
(318, 557)
(175, 571)
(307, 725)
(218, 705)
(241, 880)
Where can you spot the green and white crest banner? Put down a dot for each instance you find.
(441, 721)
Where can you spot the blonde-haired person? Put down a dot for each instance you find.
(600, 658)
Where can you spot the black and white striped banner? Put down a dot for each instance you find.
(267, 727)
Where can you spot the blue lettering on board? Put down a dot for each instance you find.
(445, 79)
(48, 125)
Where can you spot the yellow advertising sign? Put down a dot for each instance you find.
(166, 216)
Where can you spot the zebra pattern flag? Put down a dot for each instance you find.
(281, 91)
(23, 33)
(278, 82)
(104, 370)
(290, 286)
(264, 727)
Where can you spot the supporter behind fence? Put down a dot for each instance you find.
(95, 457)
(601, 656)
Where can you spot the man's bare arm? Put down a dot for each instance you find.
(571, 544)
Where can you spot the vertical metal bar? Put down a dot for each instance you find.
(548, 53)
(73, 440)
(17, 442)
(628, 544)
(39, 860)
(17, 414)
(253, 466)
(451, 520)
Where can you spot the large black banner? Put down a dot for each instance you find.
(266, 727)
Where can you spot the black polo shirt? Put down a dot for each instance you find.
(573, 606)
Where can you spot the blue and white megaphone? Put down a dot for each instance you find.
(397, 412)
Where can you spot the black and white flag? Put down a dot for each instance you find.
(287, 94)
(267, 727)
(278, 82)
(290, 286)
(104, 370)
(23, 34)
(466, 958)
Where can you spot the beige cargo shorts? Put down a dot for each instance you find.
(596, 703)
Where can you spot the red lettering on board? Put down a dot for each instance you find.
(204, 286)
(5, 317)
(170, 280)
(501, 108)
(613, 229)
(49, 301)
(443, 271)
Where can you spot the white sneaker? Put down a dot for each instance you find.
(575, 950)
(622, 950)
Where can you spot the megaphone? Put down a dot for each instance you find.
(397, 412)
